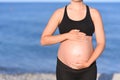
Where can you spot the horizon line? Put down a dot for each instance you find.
(57, 1)
(63, 1)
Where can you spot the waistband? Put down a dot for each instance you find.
(60, 64)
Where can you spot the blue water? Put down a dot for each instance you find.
(21, 25)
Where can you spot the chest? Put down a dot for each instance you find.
(85, 26)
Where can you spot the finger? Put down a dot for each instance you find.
(82, 33)
(76, 30)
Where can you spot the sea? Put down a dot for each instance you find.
(21, 26)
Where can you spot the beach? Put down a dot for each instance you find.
(23, 58)
(51, 76)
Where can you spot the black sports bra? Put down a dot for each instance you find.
(85, 25)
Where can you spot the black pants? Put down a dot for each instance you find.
(64, 72)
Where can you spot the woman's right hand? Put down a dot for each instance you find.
(76, 35)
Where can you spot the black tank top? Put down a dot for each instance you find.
(85, 25)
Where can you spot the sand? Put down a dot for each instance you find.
(51, 76)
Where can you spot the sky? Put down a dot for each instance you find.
(57, 0)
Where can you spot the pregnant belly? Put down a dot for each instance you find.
(75, 53)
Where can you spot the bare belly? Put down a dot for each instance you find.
(75, 53)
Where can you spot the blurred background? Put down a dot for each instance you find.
(22, 23)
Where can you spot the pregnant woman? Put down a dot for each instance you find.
(77, 22)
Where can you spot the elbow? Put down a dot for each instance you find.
(102, 44)
(45, 41)
(42, 42)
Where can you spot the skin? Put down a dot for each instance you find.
(76, 49)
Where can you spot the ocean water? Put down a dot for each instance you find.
(21, 25)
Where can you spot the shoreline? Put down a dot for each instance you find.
(51, 76)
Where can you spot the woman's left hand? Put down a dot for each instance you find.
(85, 65)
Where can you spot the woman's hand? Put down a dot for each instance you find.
(85, 65)
(76, 35)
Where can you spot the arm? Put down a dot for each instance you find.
(47, 37)
(99, 34)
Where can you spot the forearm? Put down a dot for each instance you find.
(97, 52)
(49, 40)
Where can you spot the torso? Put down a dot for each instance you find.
(74, 53)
